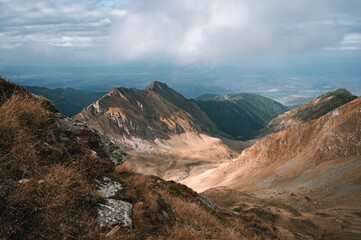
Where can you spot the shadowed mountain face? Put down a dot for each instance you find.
(309, 111)
(240, 115)
(68, 101)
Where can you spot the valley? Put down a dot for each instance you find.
(301, 175)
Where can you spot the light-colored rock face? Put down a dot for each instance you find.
(108, 189)
(115, 212)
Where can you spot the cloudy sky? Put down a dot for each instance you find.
(181, 32)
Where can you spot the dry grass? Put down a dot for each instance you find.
(168, 210)
(59, 199)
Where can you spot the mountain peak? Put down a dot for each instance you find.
(341, 93)
(157, 85)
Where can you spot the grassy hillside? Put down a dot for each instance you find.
(241, 115)
(68, 101)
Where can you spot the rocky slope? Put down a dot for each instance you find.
(58, 181)
(240, 115)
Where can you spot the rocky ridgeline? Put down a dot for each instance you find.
(133, 118)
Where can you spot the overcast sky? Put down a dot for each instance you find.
(184, 31)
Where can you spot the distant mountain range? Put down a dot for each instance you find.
(68, 101)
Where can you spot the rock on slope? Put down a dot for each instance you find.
(57, 181)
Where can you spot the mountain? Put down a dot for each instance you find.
(321, 153)
(309, 111)
(306, 176)
(198, 116)
(58, 181)
(240, 115)
(68, 101)
(139, 115)
(168, 135)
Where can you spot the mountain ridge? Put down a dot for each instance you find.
(311, 110)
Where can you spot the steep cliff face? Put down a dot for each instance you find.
(317, 153)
